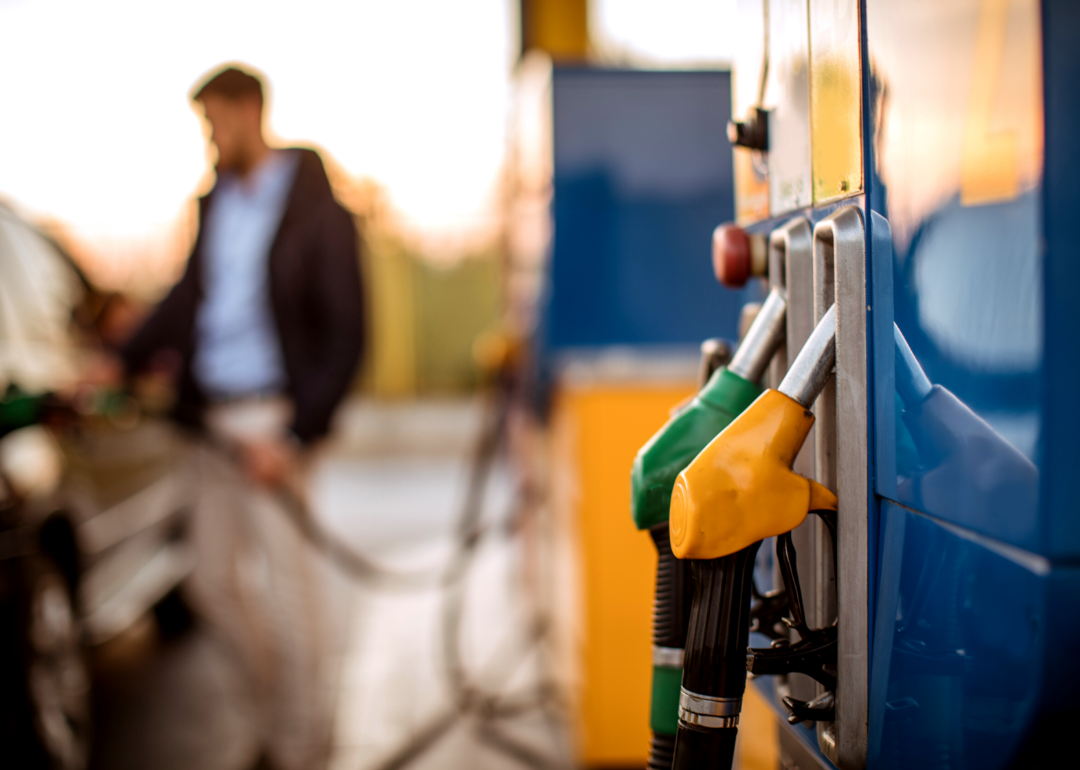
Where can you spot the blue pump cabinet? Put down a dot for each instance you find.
(933, 150)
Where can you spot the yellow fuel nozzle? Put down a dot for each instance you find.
(741, 489)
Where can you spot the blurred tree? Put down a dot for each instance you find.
(424, 315)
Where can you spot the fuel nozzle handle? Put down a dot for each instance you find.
(741, 488)
(726, 392)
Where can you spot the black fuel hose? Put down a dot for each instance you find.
(350, 561)
(468, 529)
(714, 668)
(468, 698)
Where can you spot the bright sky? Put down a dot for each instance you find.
(98, 132)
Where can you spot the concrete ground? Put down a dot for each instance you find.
(398, 690)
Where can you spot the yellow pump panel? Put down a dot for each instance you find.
(835, 100)
(598, 430)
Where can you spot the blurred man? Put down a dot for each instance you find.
(266, 325)
(269, 308)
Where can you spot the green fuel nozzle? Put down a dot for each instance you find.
(726, 393)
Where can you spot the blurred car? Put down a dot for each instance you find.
(94, 498)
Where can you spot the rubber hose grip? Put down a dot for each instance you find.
(719, 630)
(674, 593)
(661, 752)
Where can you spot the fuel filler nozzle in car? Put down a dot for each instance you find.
(739, 490)
(726, 392)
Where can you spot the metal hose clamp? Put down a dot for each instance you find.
(708, 711)
(668, 657)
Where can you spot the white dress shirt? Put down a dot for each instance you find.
(237, 351)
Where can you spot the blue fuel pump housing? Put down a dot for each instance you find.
(950, 128)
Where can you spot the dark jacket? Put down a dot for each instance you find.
(315, 295)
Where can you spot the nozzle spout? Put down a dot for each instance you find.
(765, 335)
(812, 367)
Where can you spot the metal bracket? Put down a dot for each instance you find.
(791, 266)
(820, 709)
(767, 613)
(842, 464)
(813, 655)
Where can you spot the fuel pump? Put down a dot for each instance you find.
(727, 391)
(740, 490)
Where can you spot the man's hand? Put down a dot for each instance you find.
(269, 461)
(102, 369)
